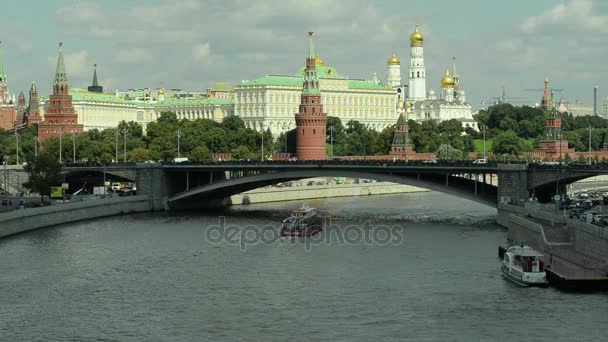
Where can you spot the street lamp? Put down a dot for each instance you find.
(285, 136)
(331, 140)
(179, 134)
(262, 127)
(484, 141)
(6, 173)
(125, 144)
(17, 144)
(589, 144)
(212, 143)
(60, 144)
(36, 140)
(116, 145)
(73, 147)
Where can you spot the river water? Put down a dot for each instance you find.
(428, 273)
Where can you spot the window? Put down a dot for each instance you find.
(418, 74)
(302, 131)
(314, 131)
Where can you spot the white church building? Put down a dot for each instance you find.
(421, 104)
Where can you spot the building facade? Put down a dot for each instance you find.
(270, 101)
(99, 110)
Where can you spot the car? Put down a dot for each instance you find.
(583, 195)
(429, 161)
(481, 161)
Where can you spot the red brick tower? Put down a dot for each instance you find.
(21, 109)
(60, 118)
(7, 106)
(310, 120)
(33, 116)
(546, 102)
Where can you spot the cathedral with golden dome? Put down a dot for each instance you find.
(418, 103)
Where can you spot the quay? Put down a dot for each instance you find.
(575, 253)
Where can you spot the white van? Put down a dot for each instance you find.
(481, 161)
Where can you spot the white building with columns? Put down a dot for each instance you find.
(270, 102)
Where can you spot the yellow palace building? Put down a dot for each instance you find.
(270, 102)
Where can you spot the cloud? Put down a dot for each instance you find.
(133, 55)
(576, 15)
(78, 65)
(200, 53)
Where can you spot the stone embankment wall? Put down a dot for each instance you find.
(20, 221)
(321, 191)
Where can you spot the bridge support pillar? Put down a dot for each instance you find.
(151, 181)
(513, 183)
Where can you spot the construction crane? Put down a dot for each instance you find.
(552, 90)
(504, 99)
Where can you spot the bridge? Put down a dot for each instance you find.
(189, 185)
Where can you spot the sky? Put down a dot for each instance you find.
(191, 44)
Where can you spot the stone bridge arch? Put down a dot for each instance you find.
(462, 187)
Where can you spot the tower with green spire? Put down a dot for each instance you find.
(95, 87)
(310, 119)
(60, 117)
(7, 105)
(33, 109)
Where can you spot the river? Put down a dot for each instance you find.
(428, 273)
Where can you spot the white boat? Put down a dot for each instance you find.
(523, 266)
(302, 222)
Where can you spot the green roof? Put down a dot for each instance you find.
(221, 86)
(322, 72)
(297, 82)
(84, 95)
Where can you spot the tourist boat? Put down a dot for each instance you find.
(302, 222)
(523, 266)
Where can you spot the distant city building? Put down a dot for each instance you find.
(452, 102)
(7, 104)
(60, 117)
(221, 90)
(578, 108)
(270, 101)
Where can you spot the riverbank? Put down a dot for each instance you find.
(306, 192)
(19, 221)
(576, 252)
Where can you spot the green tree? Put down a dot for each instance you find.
(509, 143)
(44, 172)
(139, 154)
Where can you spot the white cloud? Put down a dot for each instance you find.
(201, 53)
(133, 55)
(574, 15)
(78, 65)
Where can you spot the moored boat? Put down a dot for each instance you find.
(302, 222)
(523, 266)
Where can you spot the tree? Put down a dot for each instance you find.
(242, 153)
(139, 154)
(44, 172)
(509, 143)
(200, 153)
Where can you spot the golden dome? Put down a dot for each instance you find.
(319, 61)
(416, 38)
(409, 104)
(161, 91)
(447, 81)
(394, 60)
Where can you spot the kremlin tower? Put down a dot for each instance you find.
(21, 109)
(7, 105)
(311, 120)
(60, 117)
(417, 82)
(33, 109)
